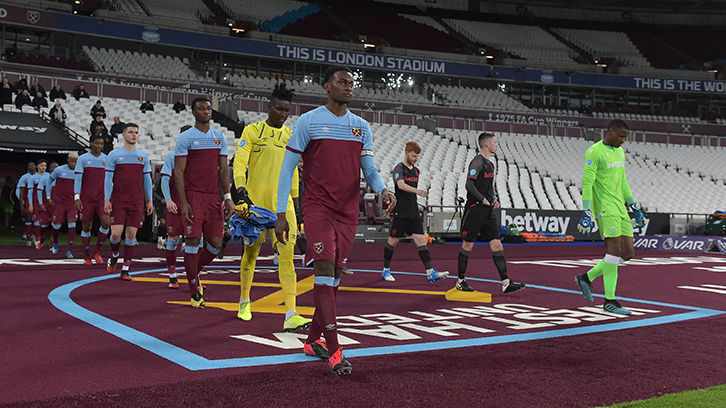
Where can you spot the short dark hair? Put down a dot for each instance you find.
(128, 125)
(197, 100)
(484, 137)
(41, 161)
(185, 128)
(332, 70)
(282, 93)
(617, 124)
(94, 137)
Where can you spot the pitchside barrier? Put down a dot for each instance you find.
(690, 243)
(446, 222)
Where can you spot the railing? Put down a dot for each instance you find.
(65, 129)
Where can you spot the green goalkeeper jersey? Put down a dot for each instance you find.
(604, 182)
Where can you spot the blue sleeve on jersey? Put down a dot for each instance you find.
(77, 183)
(49, 185)
(289, 163)
(147, 185)
(300, 134)
(39, 191)
(168, 164)
(147, 164)
(165, 187)
(181, 148)
(21, 183)
(108, 185)
(372, 177)
(367, 137)
(223, 146)
(31, 188)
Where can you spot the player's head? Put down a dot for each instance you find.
(97, 144)
(52, 166)
(279, 105)
(31, 167)
(72, 160)
(338, 82)
(488, 143)
(413, 150)
(185, 128)
(202, 110)
(41, 165)
(617, 132)
(131, 133)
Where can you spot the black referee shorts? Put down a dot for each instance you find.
(402, 226)
(479, 220)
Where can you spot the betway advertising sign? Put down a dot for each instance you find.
(565, 222)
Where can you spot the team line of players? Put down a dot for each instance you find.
(335, 146)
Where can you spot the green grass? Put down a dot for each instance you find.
(714, 397)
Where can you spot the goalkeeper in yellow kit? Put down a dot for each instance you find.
(257, 165)
(605, 191)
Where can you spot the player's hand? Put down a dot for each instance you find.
(187, 213)
(390, 199)
(228, 209)
(42, 207)
(149, 207)
(421, 192)
(486, 202)
(107, 206)
(244, 196)
(50, 201)
(282, 228)
(585, 224)
(171, 207)
(30, 208)
(79, 205)
(496, 205)
(639, 216)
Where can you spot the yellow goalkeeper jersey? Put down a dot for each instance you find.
(258, 161)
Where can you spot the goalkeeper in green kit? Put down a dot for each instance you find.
(605, 191)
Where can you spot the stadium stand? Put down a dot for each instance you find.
(260, 11)
(184, 10)
(528, 42)
(120, 62)
(396, 30)
(606, 44)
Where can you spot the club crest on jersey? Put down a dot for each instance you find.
(189, 229)
(170, 229)
(113, 219)
(140, 158)
(356, 131)
(318, 247)
(104, 164)
(217, 142)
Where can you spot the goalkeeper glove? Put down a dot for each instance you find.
(639, 216)
(243, 196)
(298, 215)
(585, 224)
(243, 204)
(243, 211)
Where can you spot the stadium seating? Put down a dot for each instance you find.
(183, 10)
(158, 129)
(528, 42)
(129, 7)
(143, 65)
(606, 44)
(260, 11)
